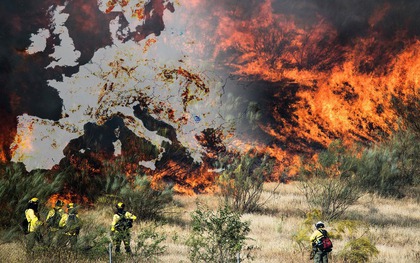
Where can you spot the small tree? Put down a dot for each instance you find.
(332, 196)
(328, 183)
(145, 200)
(301, 236)
(359, 247)
(241, 183)
(217, 236)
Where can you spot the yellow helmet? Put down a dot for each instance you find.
(70, 205)
(120, 205)
(34, 200)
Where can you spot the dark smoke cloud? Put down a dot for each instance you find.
(351, 17)
(23, 77)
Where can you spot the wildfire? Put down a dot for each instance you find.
(66, 198)
(340, 86)
(186, 180)
(344, 90)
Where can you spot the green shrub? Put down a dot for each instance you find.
(358, 250)
(93, 240)
(145, 201)
(217, 236)
(149, 246)
(241, 182)
(391, 167)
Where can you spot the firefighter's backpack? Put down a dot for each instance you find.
(325, 243)
(73, 224)
(54, 220)
(124, 223)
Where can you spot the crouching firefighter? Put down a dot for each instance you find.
(120, 228)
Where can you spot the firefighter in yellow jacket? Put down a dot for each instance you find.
(70, 224)
(319, 255)
(120, 228)
(53, 219)
(34, 224)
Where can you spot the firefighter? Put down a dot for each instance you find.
(53, 219)
(70, 224)
(34, 224)
(319, 255)
(120, 228)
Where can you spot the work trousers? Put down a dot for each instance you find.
(321, 257)
(123, 236)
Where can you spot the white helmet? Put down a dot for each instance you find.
(319, 224)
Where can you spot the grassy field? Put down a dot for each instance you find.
(393, 225)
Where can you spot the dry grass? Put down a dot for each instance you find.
(394, 226)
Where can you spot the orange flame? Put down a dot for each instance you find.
(186, 180)
(66, 198)
(343, 91)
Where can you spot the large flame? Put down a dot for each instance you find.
(344, 90)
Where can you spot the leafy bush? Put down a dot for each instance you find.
(391, 167)
(358, 250)
(217, 236)
(301, 236)
(241, 183)
(147, 201)
(149, 246)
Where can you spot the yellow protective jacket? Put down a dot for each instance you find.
(74, 228)
(51, 213)
(117, 218)
(316, 235)
(33, 221)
